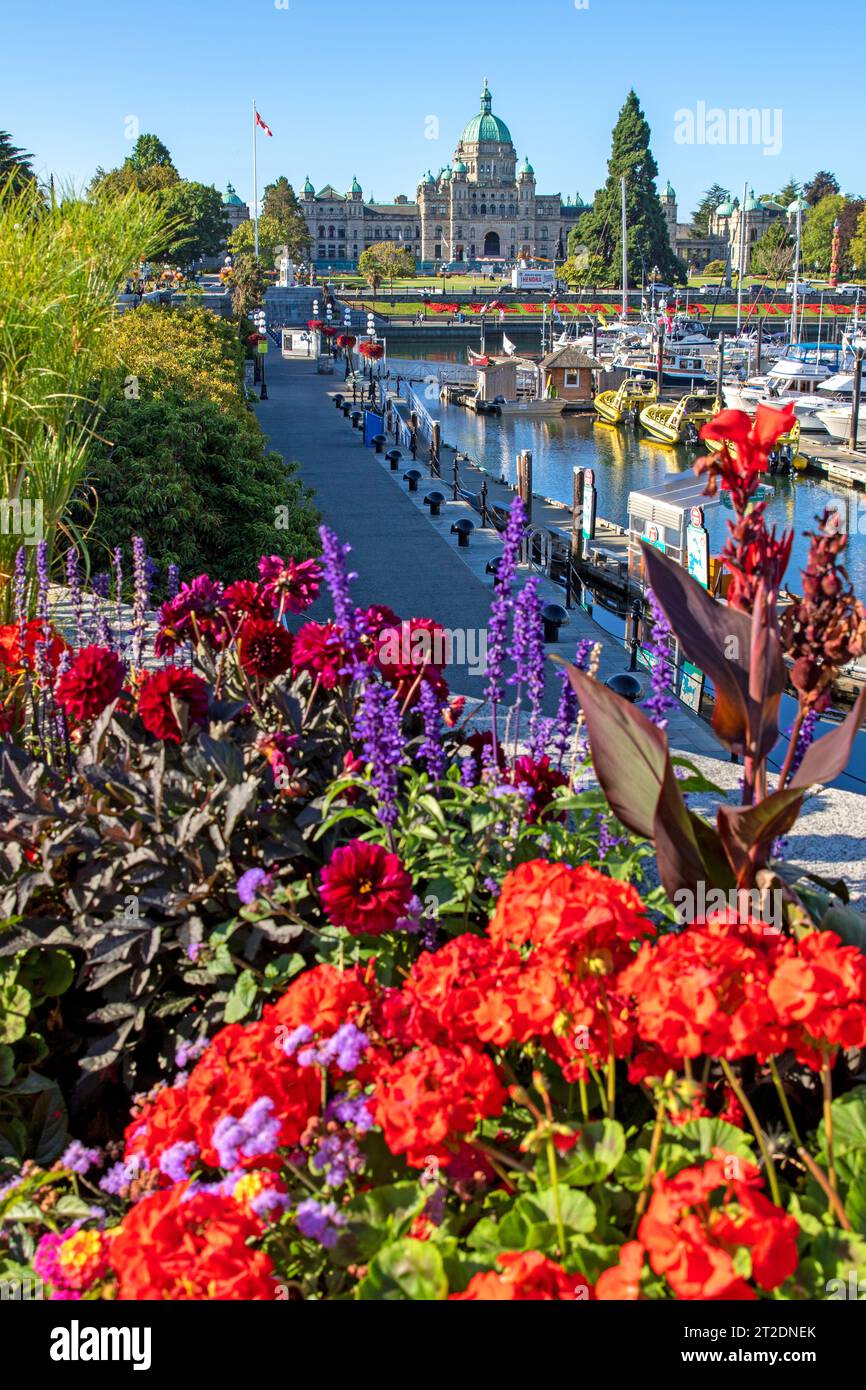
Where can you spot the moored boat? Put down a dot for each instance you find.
(635, 393)
(680, 423)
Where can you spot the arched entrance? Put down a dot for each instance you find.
(491, 244)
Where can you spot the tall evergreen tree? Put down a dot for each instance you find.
(713, 198)
(823, 185)
(648, 244)
(15, 165)
(791, 190)
(148, 152)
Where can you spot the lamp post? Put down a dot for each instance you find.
(797, 207)
(260, 322)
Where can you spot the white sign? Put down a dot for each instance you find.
(532, 279)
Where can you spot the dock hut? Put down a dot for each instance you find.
(568, 374)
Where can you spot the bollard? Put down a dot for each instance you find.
(338, 400)
(625, 685)
(394, 457)
(357, 417)
(346, 407)
(553, 616)
(492, 567)
(413, 478)
(434, 501)
(379, 442)
(464, 529)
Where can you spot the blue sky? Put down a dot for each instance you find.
(349, 89)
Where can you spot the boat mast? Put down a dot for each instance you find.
(624, 256)
(741, 270)
(795, 303)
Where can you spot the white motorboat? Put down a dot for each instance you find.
(836, 420)
(796, 379)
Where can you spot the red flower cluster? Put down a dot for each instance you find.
(427, 1099)
(730, 989)
(160, 690)
(411, 651)
(365, 888)
(93, 680)
(17, 656)
(175, 1245)
(699, 1218)
(525, 1276)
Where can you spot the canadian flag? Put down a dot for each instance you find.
(265, 128)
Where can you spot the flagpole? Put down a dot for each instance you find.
(255, 183)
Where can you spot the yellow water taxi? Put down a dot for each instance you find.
(635, 393)
(786, 450)
(680, 423)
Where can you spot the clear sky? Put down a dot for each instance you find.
(353, 88)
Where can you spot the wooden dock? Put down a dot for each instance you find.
(835, 461)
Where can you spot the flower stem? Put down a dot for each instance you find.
(738, 1091)
(827, 1083)
(783, 1101)
(557, 1207)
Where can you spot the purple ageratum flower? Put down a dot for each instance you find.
(468, 772)
(302, 1034)
(187, 1052)
(350, 1110)
(255, 883)
(431, 748)
(320, 1221)
(80, 1159)
(176, 1161)
(120, 1175)
(606, 838)
(256, 1132)
(662, 698)
(269, 1200)
(345, 1048)
(338, 1158)
(378, 728)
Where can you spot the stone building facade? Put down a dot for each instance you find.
(480, 207)
(234, 209)
(728, 225)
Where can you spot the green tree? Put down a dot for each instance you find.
(857, 245)
(198, 209)
(647, 243)
(149, 152)
(243, 239)
(713, 198)
(773, 255)
(280, 203)
(198, 486)
(791, 190)
(190, 352)
(823, 185)
(383, 261)
(15, 166)
(818, 232)
(248, 286)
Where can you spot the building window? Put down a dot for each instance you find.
(321, 251)
(437, 251)
(342, 234)
(544, 234)
(572, 378)
(321, 229)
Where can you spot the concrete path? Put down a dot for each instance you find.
(403, 557)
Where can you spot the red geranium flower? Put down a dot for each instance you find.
(18, 658)
(169, 1248)
(155, 701)
(265, 648)
(94, 679)
(525, 1276)
(365, 888)
(428, 1098)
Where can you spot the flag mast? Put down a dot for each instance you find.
(255, 182)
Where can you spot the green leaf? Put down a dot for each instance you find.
(242, 997)
(704, 1135)
(406, 1270)
(595, 1156)
(846, 923)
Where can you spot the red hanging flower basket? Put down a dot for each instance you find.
(346, 340)
(315, 325)
(371, 350)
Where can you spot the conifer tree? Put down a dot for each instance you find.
(647, 236)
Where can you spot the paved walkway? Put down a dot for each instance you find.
(403, 557)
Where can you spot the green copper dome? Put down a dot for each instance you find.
(356, 187)
(308, 187)
(428, 178)
(752, 204)
(725, 209)
(526, 167)
(460, 167)
(668, 191)
(231, 199)
(485, 127)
